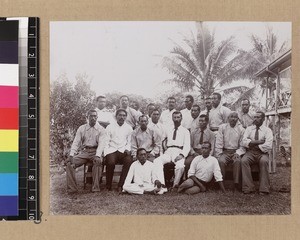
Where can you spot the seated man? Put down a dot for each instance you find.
(229, 147)
(257, 140)
(144, 137)
(91, 137)
(202, 170)
(140, 178)
(178, 147)
(118, 148)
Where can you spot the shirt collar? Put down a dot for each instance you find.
(97, 126)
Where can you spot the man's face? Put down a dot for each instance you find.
(101, 103)
(208, 103)
(258, 119)
(143, 122)
(142, 156)
(124, 102)
(202, 123)
(92, 118)
(215, 101)
(121, 117)
(232, 119)
(171, 104)
(150, 109)
(188, 103)
(195, 112)
(245, 106)
(177, 118)
(135, 106)
(155, 116)
(205, 150)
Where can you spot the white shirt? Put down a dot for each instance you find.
(104, 115)
(182, 139)
(186, 118)
(140, 174)
(264, 133)
(166, 118)
(205, 168)
(158, 128)
(119, 138)
(218, 115)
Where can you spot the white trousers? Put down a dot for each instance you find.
(167, 157)
(136, 189)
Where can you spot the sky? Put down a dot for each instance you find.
(126, 56)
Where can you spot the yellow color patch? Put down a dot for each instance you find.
(9, 140)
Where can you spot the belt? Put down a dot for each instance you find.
(180, 147)
(214, 129)
(88, 148)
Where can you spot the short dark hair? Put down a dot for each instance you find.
(139, 150)
(156, 110)
(121, 110)
(172, 98)
(190, 97)
(100, 96)
(205, 117)
(124, 96)
(207, 143)
(197, 106)
(150, 104)
(177, 112)
(245, 99)
(262, 113)
(217, 94)
(142, 117)
(90, 111)
(208, 97)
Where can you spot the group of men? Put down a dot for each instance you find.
(200, 144)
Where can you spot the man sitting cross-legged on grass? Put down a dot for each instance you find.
(202, 170)
(141, 178)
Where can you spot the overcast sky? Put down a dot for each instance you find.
(126, 56)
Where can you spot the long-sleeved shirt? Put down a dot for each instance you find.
(166, 118)
(87, 136)
(246, 119)
(118, 138)
(104, 115)
(264, 133)
(208, 136)
(147, 139)
(140, 174)
(132, 117)
(186, 118)
(230, 138)
(158, 128)
(182, 139)
(218, 116)
(194, 123)
(205, 168)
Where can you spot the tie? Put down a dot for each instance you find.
(174, 134)
(201, 137)
(256, 137)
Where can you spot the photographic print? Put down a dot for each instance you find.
(167, 117)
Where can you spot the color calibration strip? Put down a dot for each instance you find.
(9, 118)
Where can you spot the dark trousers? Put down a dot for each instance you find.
(227, 158)
(111, 160)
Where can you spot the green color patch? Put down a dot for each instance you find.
(9, 162)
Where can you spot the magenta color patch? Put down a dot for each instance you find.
(9, 97)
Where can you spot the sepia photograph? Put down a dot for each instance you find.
(170, 117)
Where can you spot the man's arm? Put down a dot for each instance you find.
(76, 142)
(102, 142)
(129, 176)
(241, 150)
(212, 142)
(219, 145)
(222, 186)
(268, 144)
(134, 144)
(156, 143)
(128, 141)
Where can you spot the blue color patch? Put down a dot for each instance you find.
(8, 184)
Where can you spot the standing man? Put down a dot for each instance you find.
(201, 172)
(141, 178)
(91, 137)
(132, 115)
(198, 137)
(105, 117)
(229, 146)
(208, 106)
(245, 118)
(150, 108)
(166, 115)
(218, 114)
(118, 148)
(144, 137)
(186, 113)
(195, 113)
(258, 140)
(157, 127)
(178, 147)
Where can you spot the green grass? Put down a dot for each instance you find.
(212, 202)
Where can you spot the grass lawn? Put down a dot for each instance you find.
(212, 202)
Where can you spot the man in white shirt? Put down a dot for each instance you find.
(150, 108)
(132, 115)
(228, 147)
(166, 115)
(178, 147)
(218, 114)
(118, 148)
(91, 138)
(157, 127)
(258, 140)
(245, 117)
(201, 172)
(208, 106)
(195, 113)
(141, 177)
(186, 112)
(105, 117)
